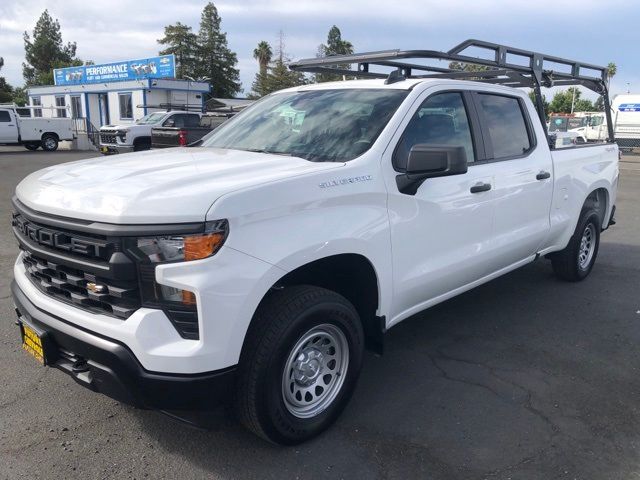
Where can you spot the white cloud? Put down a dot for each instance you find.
(123, 29)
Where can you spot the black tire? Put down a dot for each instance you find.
(571, 263)
(142, 144)
(283, 319)
(32, 146)
(49, 142)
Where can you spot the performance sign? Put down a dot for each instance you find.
(154, 67)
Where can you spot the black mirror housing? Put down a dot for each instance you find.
(430, 161)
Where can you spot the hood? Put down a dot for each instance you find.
(174, 185)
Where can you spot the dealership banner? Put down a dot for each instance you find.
(154, 67)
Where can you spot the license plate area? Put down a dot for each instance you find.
(35, 342)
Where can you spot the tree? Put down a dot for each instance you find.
(277, 74)
(565, 102)
(6, 91)
(335, 46)
(215, 60)
(532, 96)
(183, 43)
(45, 51)
(263, 54)
(612, 69)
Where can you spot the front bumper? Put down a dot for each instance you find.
(111, 149)
(109, 367)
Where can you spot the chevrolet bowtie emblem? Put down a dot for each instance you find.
(95, 288)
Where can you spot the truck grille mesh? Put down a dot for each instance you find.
(82, 289)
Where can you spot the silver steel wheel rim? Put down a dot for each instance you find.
(49, 142)
(315, 371)
(587, 246)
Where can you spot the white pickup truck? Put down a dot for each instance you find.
(257, 267)
(136, 136)
(33, 133)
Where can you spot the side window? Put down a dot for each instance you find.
(505, 122)
(178, 120)
(441, 120)
(4, 116)
(192, 121)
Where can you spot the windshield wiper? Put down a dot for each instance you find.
(257, 150)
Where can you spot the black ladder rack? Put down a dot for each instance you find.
(509, 66)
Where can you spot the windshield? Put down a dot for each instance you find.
(151, 119)
(318, 125)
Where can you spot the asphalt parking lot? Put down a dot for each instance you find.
(525, 377)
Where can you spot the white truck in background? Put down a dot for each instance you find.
(626, 121)
(136, 136)
(33, 133)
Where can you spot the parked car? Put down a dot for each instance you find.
(256, 268)
(137, 136)
(33, 133)
(186, 131)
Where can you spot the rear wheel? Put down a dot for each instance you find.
(299, 365)
(49, 142)
(32, 146)
(575, 262)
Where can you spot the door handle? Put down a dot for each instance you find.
(543, 175)
(480, 187)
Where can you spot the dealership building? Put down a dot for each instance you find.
(119, 92)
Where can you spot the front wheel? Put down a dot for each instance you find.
(575, 262)
(299, 365)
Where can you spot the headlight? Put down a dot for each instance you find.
(122, 134)
(185, 247)
(151, 251)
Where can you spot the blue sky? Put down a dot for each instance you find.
(589, 30)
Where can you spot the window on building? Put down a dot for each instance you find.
(36, 102)
(76, 107)
(61, 102)
(126, 106)
(506, 124)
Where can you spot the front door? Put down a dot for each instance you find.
(441, 236)
(8, 127)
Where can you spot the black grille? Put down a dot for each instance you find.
(82, 289)
(107, 138)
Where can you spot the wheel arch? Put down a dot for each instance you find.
(351, 275)
(598, 199)
(51, 134)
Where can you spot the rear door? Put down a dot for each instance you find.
(8, 127)
(522, 170)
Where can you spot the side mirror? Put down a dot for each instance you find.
(430, 161)
(170, 122)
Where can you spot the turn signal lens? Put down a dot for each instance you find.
(180, 248)
(202, 246)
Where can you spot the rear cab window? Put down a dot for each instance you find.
(506, 125)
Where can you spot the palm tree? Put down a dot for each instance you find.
(263, 54)
(611, 71)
